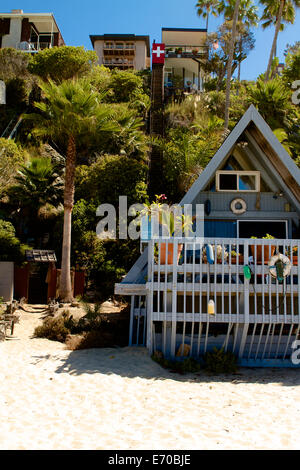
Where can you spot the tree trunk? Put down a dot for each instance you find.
(65, 288)
(239, 69)
(230, 60)
(273, 48)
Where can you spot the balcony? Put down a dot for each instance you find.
(33, 47)
(185, 51)
(119, 47)
(120, 63)
(182, 283)
(195, 304)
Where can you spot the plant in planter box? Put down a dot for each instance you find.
(171, 225)
(268, 250)
(236, 258)
(220, 253)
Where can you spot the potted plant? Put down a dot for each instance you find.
(178, 50)
(221, 254)
(267, 249)
(236, 258)
(195, 51)
(173, 226)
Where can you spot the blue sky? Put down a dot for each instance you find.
(78, 19)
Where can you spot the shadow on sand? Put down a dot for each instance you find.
(133, 362)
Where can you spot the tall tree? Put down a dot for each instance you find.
(207, 7)
(277, 12)
(217, 59)
(71, 110)
(230, 60)
(248, 18)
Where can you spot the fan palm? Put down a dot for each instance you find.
(37, 184)
(277, 12)
(207, 7)
(71, 111)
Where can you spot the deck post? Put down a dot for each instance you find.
(245, 326)
(131, 320)
(149, 304)
(174, 300)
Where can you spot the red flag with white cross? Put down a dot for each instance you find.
(158, 53)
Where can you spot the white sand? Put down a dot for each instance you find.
(51, 398)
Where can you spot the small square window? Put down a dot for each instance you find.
(228, 182)
(238, 181)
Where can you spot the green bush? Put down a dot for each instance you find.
(218, 361)
(62, 63)
(55, 329)
(110, 177)
(185, 366)
(12, 156)
(11, 248)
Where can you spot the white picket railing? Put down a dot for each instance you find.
(257, 318)
(181, 289)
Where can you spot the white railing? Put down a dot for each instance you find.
(257, 318)
(182, 283)
(33, 46)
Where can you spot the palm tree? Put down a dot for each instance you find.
(230, 60)
(71, 111)
(277, 12)
(247, 18)
(37, 185)
(207, 7)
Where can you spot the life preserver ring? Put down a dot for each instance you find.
(241, 203)
(286, 264)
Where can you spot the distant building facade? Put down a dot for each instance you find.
(29, 32)
(185, 49)
(122, 51)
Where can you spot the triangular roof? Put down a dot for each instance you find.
(257, 129)
(267, 144)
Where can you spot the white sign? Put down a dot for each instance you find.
(158, 52)
(2, 92)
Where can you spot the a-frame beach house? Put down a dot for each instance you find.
(244, 296)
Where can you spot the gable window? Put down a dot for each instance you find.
(238, 181)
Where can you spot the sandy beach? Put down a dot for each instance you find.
(119, 399)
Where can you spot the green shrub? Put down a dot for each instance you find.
(62, 63)
(91, 321)
(55, 329)
(218, 361)
(11, 248)
(185, 366)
